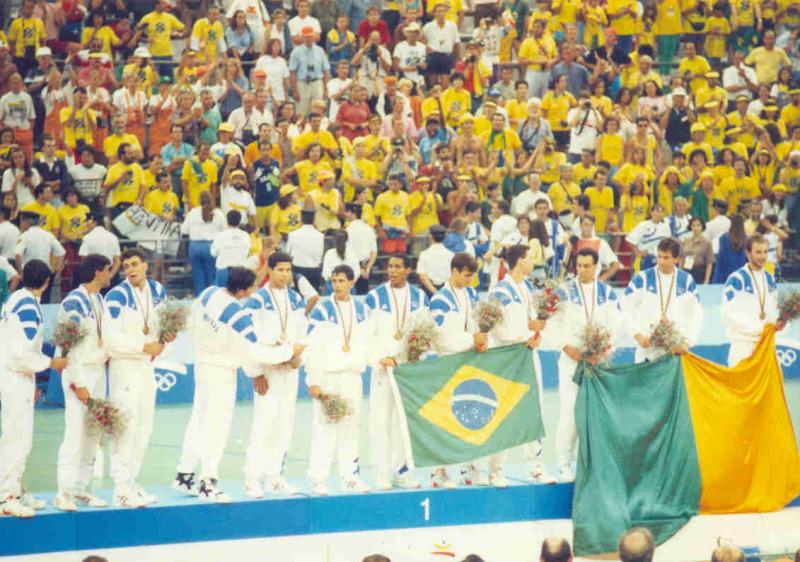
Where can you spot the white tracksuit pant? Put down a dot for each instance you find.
(273, 425)
(533, 450)
(739, 351)
(17, 392)
(567, 432)
(81, 438)
(132, 389)
(326, 438)
(388, 452)
(210, 423)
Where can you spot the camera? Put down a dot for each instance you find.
(472, 59)
(587, 104)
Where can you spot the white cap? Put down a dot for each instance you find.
(142, 52)
(794, 153)
(44, 52)
(679, 92)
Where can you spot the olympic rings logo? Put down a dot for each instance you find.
(165, 382)
(787, 357)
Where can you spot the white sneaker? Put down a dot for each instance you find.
(209, 491)
(407, 481)
(565, 473)
(15, 508)
(540, 476)
(471, 476)
(354, 484)
(90, 499)
(279, 485)
(497, 478)
(440, 479)
(319, 488)
(34, 503)
(184, 483)
(64, 501)
(127, 497)
(147, 498)
(253, 489)
(382, 483)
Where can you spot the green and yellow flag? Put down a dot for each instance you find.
(468, 405)
(663, 441)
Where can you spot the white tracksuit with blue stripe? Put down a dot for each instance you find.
(741, 310)
(274, 412)
(647, 293)
(87, 368)
(392, 310)
(131, 376)
(22, 334)
(337, 371)
(225, 339)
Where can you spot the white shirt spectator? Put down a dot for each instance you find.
(16, 110)
(731, 77)
(410, 55)
(296, 25)
(332, 259)
(441, 39)
(435, 263)
(336, 85)
(88, 181)
(502, 227)
(122, 100)
(524, 203)
(362, 239)
(277, 70)
(306, 245)
(251, 121)
(231, 247)
(24, 193)
(100, 241)
(38, 244)
(9, 235)
(238, 200)
(197, 229)
(8, 269)
(584, 134)
(716, 227)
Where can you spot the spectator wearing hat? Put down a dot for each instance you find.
(425, 204)
(285, 216)
(309, 71)
(159, 26)
(25, 35)
(236, 197)
(306, 245)
(698, 142)
(677, 123)
(224, 142)
(326, 202)
(410, 55)
(35, 81)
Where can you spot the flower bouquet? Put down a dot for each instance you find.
(104, 415)
(666, 336)
(789, 305)
(421, 337)
(334, 407)
(595, 343)
(488, 314)
(547, 300)
(173, 316)
(68, 335)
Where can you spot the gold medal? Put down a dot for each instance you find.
(762, 295)
(762, 316)
(346, 348)
(346, 330)
(283, 315)
(399, 321)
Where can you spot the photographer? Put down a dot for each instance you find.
(401, 161)
(374, 63)
(584, 122)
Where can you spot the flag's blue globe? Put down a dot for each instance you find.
(473, 403)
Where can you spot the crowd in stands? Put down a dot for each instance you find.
(372, 126)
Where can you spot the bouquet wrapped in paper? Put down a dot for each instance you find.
(547, 300)
(789, 305)
(104, 415)
(68, 335)
(488, 314)
(334, 407)
(421, 337)
(666, 336)
(173, 315)
(596, 345)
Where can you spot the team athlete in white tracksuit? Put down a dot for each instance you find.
(451, 309)
(340, 335)
(662, 291)
(225, 339)
(393, 306)
(130, 333)
(279, 317)
(588, 301)
(516, 293)
(22, 333)
(749, 302)
(86, 374)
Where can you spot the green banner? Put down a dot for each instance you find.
(469, 405)
(637, 461)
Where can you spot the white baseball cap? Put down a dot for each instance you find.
(679, 92)
(44, 52)
(142, 52)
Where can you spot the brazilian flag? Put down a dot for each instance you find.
(469, 405)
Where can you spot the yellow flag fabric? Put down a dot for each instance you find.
(746, 446)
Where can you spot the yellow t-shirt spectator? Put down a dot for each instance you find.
(668, 18)
(455, 104)
(581, 173)
(208, 36)
(106, 36)
(49, 221)
(144, 75)
(563, 195)
(73, 221)
(625, 25)
(161, 202)
(517, 112)
(159, 28)
(393, 209)
(601, 202)
(26, 32)
(285, 220)
(555, 108)
(81, 128)
(696, 66)
(361, 168)
(455, 6)
(611, 148)
(307, 173)
(716, 42)
(111, 143)
(324, 138)
(634, 210)
(734, 190)
(767, 63)
(197, 181)
(537, 49)
(429, 215)
(127, 191)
